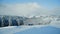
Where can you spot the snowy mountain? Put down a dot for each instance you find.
(26, 25)
(34, 20)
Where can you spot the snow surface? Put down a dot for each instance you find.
(14, 29)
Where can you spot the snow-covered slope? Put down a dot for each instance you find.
(40, 21)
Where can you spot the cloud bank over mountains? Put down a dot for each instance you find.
(26, 9)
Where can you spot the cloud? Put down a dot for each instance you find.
(56, 11)
(19, 9)
(24, 9)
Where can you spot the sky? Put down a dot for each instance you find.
(29, 7)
